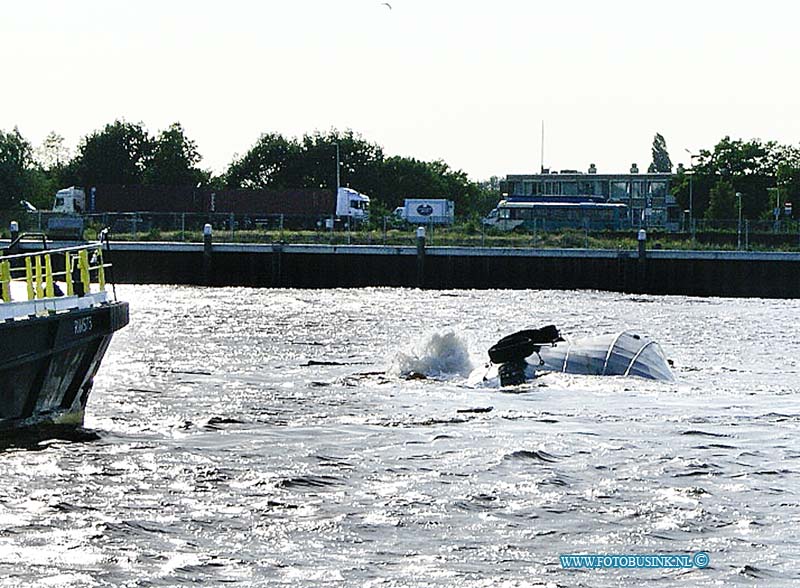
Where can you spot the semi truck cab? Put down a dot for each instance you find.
(352, 204)
(70, 200)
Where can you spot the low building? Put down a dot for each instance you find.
(647, 195)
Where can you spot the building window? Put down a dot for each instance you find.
(569, 188)
(552, 188)
(619, 190)
(658, 189)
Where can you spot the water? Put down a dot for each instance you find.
(267, 438)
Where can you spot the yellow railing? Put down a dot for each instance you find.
(83, 273)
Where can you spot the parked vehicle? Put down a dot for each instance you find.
(345, 202)
(548, 213)
(491, 219)
(433, 211)
(67, 223)
(290, 208)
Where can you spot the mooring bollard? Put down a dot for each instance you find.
(420, 257)
(207, 247)
(13, 228)
(642, 237)
(642, 273)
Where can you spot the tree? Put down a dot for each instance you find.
(788, 184)
(271, 163)
(749, 166)
(174, 160)
(722, 202)
(406, 177)
(359, 161)
(280, 163)
(15, 164)
(661, 160)
(52, 154)
(116, 155)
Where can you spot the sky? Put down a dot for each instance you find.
(465, 81)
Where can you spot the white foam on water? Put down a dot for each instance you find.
(439, 354)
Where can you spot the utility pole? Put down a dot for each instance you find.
(691, 174)
(338, 180)
(739, 230)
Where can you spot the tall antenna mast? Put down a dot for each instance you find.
(541, 170)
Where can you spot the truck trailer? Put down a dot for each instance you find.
(344, 202)
(426, 211)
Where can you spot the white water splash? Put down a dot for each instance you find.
(438, 354)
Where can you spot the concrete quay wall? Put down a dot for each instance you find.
(694, 273)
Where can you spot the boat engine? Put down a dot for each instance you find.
(510, 352)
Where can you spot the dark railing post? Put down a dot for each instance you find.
(642, 238)
(642, 263)
(277, 265)
(420, 257)
(207, 249)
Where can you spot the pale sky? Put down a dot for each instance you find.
(465, 81)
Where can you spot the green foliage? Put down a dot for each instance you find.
(752, 168)
(722, 205)
(270, 163)
(661, 161)
(52, 154)
(174, 160)
(281, 163)
(50, 172)
(16, 162)
(310, 163)
(472, 225)
(359, 161)
(43, 185)
(788, 184)
(116, 155)
(124, 153)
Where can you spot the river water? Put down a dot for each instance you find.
(268, 438)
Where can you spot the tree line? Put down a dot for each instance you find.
(125, 153)
(766, 174)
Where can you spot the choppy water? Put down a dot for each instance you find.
(264, 438)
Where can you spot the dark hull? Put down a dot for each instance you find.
(47, 364)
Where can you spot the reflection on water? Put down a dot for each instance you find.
(258, 437)
(40, 438)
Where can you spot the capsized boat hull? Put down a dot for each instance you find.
(620, 354)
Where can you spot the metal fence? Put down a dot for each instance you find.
(388, 230)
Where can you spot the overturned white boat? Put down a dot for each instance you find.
(524, 355)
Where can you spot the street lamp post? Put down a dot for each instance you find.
(739, 230)
(691, 195)
(338, 181)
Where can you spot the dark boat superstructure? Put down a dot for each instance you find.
(56, 322)
(524, 355)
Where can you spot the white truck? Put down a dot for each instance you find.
(70, 200)
(352, 204)
(426, 211)
(67, 222)
(65, 219)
